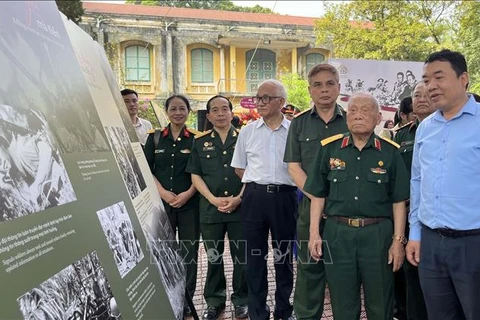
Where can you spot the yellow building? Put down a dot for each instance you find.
(159, 51)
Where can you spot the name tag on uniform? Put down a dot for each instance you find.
(407, 143)
(160, 151)
(209, 148)
(185, 151)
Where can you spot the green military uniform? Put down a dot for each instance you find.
(416, 309)
(358, 184)
(306, 131)
(167, 161)
(211, 160)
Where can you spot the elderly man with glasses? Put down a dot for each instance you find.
(269, 202)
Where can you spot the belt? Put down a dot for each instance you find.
(450, 233)
(357, 222)
(273, 188)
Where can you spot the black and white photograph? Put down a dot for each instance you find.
(128, 164)
(388, 81)
(80, 291)
(33, 177)
(164, 253)
(121, 237)
(40, 72)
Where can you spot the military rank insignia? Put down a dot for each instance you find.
(337, 164)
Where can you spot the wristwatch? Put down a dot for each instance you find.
(400, 239)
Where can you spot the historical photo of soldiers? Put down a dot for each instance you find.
(33, 177)
(80, 291)
(164, 253)
(39, 76)
(121, 237)
(386, 93)
(126, 160)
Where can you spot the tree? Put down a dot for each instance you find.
(385, 30)
(297, 90)
(73, 9)
(468, 35)
(225, 5)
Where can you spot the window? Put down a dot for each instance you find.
(137, 63)
(202, 66)
(313, 59)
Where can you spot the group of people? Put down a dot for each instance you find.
(349, 222)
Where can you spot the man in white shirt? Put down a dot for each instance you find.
(142, 126)
(269, 202)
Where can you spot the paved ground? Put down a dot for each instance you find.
(200, 304)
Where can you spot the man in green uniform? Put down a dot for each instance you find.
(220, 190)
(359, 181)
(306, 131)
(167, 152)
(405, 137)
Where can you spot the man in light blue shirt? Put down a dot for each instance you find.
(269, 202)
(445, 193)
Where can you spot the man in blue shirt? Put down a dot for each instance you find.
(445, 188)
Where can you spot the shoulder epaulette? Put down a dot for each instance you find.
(151, 131)
(194, 131)
(336, 137)
(407, 124)
(393, 143)
(202, 134)
(304, 111)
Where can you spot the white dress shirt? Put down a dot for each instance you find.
(141, 128)
(259, 150)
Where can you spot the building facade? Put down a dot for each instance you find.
(159, 51)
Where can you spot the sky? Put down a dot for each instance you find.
(293, 8)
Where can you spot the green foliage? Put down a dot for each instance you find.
(297, 90)
(385, 30)
(225, 5)
(468, 38)
(73, 9)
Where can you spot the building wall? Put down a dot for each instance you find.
(170, 41)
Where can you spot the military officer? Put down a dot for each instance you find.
(306, 131)
(221, 195)
(405, 137)
(360, 182)
(167, 152)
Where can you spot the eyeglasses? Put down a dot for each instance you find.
(264, 99)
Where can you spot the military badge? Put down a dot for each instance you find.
(380, 163)
(337, 164)
(234, 133)
(378, 170)
(205, 144)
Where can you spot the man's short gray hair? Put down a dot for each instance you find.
(281, 89)
(415, 87)
(365, 95)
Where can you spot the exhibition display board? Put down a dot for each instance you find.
(83, 232)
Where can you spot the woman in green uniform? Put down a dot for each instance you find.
(167, 154)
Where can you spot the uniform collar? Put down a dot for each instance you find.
(373, 142)
(336, 113)
(184, 132)
(231, 137)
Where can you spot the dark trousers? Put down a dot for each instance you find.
(359, 256)
(310, 284)
(213, 235)
(187, 224)
(261, 212)
(449, 273)
(416, 309)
